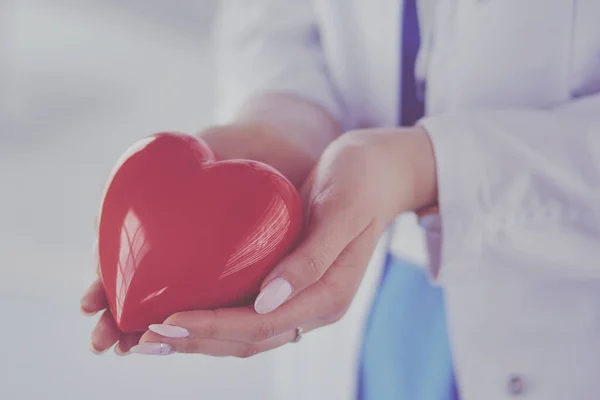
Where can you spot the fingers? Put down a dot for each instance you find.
(242, 331)
(330, 229)
(155, 344)
(341, 282)
(94, 299)
(105, 334)
(126, 342)
(236, 324)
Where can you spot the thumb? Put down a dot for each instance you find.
(329, 231)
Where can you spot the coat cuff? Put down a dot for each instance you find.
(454, 236)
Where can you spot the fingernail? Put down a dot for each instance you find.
(272, 296)
(170, 331)
(152, 349)
(87, 313)
(120, 352)
(94, 350)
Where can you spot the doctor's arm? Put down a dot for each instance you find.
(275, 99)
(516, 189)
(519, 189)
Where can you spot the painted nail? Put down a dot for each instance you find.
(170, 331)
(152, 349)
(272, 296)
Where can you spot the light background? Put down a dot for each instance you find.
(80, 80)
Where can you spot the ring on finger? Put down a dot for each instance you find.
(299, 333)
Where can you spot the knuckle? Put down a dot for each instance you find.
(187, 346)
(314, 268)
(175, 319)
(248, 350)
(202, 323)
(264, 330)
(330, 199)
(211, 329)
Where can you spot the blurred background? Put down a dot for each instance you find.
(80, 80)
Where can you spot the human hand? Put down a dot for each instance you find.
(363, 180)
(260, 142)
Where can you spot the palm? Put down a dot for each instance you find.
(228, 142)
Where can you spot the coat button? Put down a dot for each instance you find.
(516, 385)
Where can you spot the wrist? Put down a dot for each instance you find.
(409, 167)
(263, 142)
(420, 162)
(419, 159)
(307, 125)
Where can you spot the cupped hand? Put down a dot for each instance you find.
(362, 181)
(246, 141)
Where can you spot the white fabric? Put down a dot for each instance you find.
(513, 110)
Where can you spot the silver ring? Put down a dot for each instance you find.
(298, 337)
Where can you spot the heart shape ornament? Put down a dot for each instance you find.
(180, 230)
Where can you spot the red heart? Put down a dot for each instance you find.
(180, 231)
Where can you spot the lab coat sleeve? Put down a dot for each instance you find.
(270, 46)
(518, 190)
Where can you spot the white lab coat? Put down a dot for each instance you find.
(513, 110)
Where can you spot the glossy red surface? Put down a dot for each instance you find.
(180, 231)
